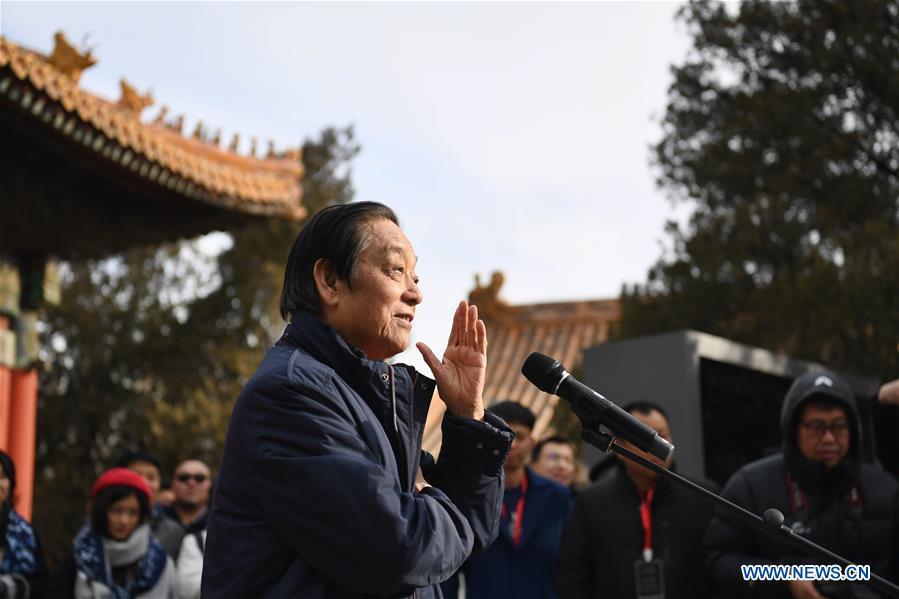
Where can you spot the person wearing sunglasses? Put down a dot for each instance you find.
(189, 513)
(825, 490)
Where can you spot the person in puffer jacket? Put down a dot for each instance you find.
(825, 491)
(324, 490)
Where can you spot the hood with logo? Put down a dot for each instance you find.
(829, 386)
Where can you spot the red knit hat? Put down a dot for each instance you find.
(123, 477)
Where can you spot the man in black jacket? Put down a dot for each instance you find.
(824, 490)
(324, 490)
(634, 534)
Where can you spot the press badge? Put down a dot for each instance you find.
(650, 579)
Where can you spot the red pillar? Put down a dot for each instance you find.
(5, 391)
(22, 436)
(5, 405)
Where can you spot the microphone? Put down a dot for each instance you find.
(592, 408)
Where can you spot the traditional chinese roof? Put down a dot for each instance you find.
(558, 329)
(41, 104)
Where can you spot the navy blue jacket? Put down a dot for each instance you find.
(530, 570)
(315, 493)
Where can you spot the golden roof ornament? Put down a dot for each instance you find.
(158, 156)
(199, 132)
(67, 59)
(160, 118)
(486, 297)
(133, 102)
(178, 124)
(292, 154)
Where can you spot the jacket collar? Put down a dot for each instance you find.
(371, 380)
(322, 341)
(818, 479)
(198, 523)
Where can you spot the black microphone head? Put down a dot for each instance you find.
(544, 372)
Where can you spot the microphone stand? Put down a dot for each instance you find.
(770, 524)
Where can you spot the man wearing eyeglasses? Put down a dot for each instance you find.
(825, 491)
(189, 513)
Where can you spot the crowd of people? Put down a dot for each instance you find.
(324, 490)
(629, 534)
(634, 534)
(138, 540)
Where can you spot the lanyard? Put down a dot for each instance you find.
(646, 519)
(519, 509)
(799, 502)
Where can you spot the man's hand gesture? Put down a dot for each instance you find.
(460, 375)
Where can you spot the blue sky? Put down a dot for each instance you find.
(510, 136)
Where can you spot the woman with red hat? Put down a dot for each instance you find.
(115, 555)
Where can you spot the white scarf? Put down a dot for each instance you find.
(120, 553)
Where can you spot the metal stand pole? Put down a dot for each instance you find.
(771, 523)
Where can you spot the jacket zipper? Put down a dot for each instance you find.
(401, 458)
(393, 399)
(396, 428)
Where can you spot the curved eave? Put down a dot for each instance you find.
(160, 158)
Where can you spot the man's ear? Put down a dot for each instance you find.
(326, 282)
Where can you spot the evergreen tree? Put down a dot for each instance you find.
(782, 129)
(151, 347)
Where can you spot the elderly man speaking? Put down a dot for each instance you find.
(324, 490)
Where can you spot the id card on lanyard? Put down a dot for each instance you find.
(519, 511)
(649, 573)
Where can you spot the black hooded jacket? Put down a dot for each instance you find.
(851, 509)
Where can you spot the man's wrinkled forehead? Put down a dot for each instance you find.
(386, 239)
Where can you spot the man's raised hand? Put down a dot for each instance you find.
(460, 375)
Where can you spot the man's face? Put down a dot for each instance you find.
(823, 434)
(556, 461)
(150, 474)
(656, 421)
(376, 314)
(191, 483)
(521, 447)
